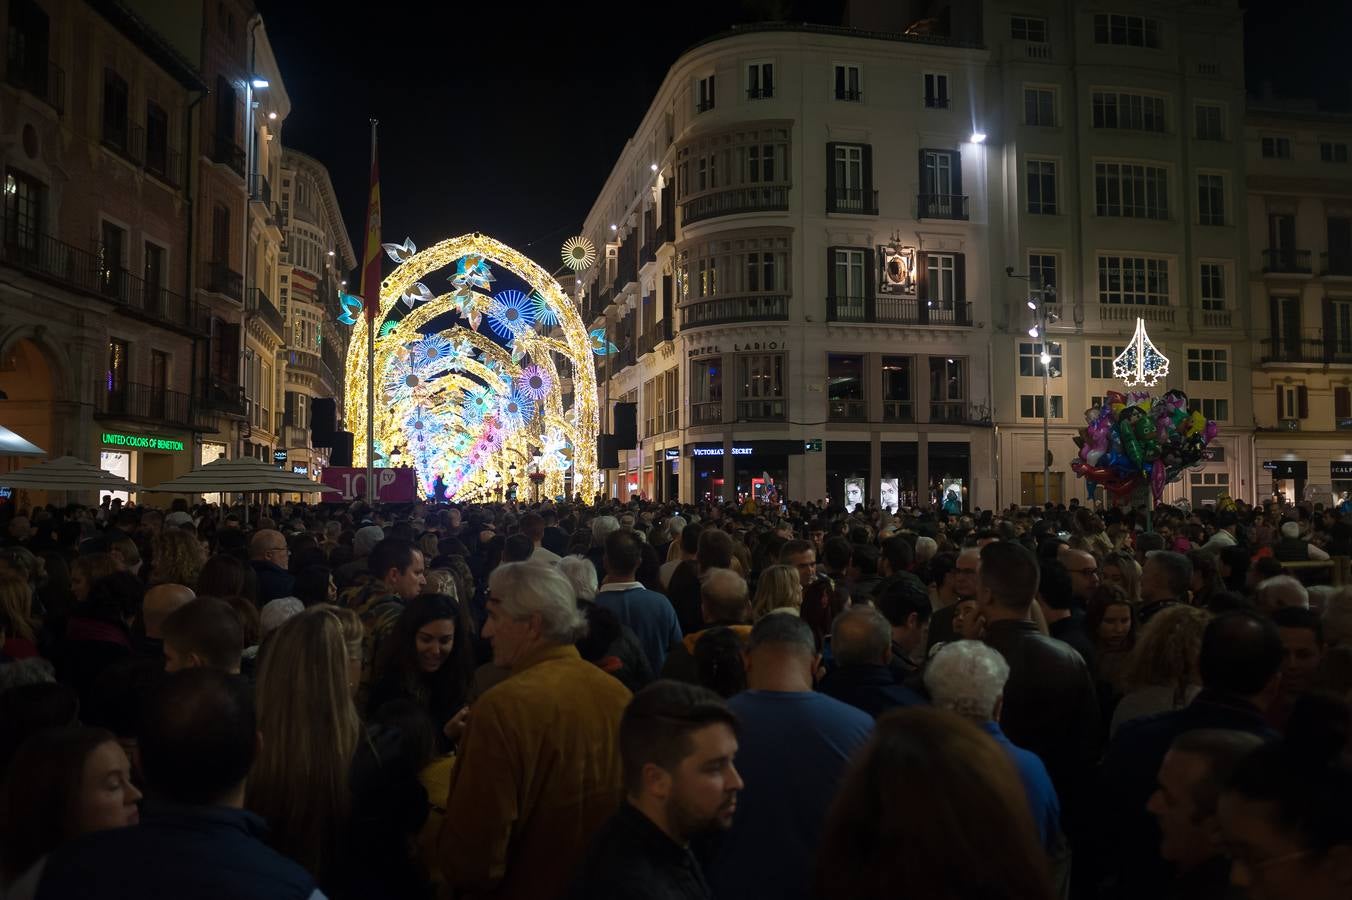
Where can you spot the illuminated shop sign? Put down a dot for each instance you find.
(141, 441)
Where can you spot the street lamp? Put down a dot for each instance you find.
(1038, 303)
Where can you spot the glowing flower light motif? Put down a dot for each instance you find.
(351, 306)
(459, 353)
(401, 253)
(544, 313)
(478, 402)
(493, 437)
(402, 383)
(387, 327)
(1140, 362)
(579, 253)
(417, 294)
(518, 351)
(515, 408)
(510, 313)
(536, 381)
(433, 350)
(599, 345)
(471, 272)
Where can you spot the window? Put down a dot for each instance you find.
(1293, 401)
(704, 94)
(1142, 281)
(1210, 122)
(1041, 270)
(157, 140)
(761, 386)
(1039, 107)
(706, 277)
(1126, 31)
(1340, 327)
(1028, 28)
(761, 162)
(112, 259)
(651, 417)
(1030, 359)
(1216, 410)
(1330, 151)
(115, 132)
(897, 396)
(1211, 199)
(155, 275)
(936, 91)
(1031, 492)
(760, 80)
(1342, 407)
(941, 280)
(848, 165)
(1041, 177)
(948, 388)
(1032, 405)
(1276, 147)
(1213, 286)
(116, 376)
(1135, 112)
(225, 110)
(1207, 364)
(1208, 486)
(25, 202)
(1101, 358)
(762, 272)
(847, 82)
(671, 381)
(29, 42)
(849, 274)
(1285, 324)
(845, 387)
(940, 173)
(159, 374)
(1129, 190)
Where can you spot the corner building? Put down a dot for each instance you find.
(796, 271)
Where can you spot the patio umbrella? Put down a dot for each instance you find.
(12, 444)
(241, 476)
(66, 473)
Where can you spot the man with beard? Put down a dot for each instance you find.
(677, 743)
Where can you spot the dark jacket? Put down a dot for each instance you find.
(683, 592)
(203, 852)
(1126, 831)
(273, 581)
(1071, 631)
(1292, 549)
(873, 688)
(555, 540)
(681, 664)
(630, 857)
(1051, 707)
(941, 625)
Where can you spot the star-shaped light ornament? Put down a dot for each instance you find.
(401, 253)
(1140, 362)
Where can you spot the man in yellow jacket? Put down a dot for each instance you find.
(539, 767)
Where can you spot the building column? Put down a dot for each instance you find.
(729, 471)
(875, 467)
(922, 468)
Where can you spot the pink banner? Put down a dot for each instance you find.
(393, 485)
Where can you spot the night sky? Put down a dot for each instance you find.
(510, 126)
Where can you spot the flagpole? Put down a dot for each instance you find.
(372, 304)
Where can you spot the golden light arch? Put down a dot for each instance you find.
(445, 400)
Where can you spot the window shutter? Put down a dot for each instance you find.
(960, 276)
(768, 80)
(1303, 402)
(870, 284)
(1274, 322)
(957, 173)
(1281, 400)
(925, 187)
(711, 91)
(1330, 329)
(831, 171)
(867, 159)
(922, 276)
(831, 272)
(1342, 403)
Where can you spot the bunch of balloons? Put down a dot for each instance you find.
(1136, 439)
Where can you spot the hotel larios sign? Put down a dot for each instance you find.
(715, 349)
(141, 441)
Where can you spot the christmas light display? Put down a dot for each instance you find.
(458, 403)
(1140, 362)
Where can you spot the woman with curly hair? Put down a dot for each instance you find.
(1122, 569)
(1161, 674)
(178, 558)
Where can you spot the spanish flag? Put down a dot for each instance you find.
(370, 259)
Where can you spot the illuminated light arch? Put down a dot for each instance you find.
(423, 396)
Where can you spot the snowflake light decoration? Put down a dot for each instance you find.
(510, 313)
(403, 382)
(1140, 362)
(579, 253)
(543, 312)
(515, 408)
(536, 381)
(478, 402)
(433, 350)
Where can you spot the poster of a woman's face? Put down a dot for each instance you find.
(854, 492)
(888, 495)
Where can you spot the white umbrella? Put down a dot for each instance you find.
(12, 444)
(66, 473)
(243, 476)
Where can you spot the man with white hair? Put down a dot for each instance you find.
(601, 528)
(969, 678)
(1280, 591)
(1291, 547)
(539, 767)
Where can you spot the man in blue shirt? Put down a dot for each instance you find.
(649, 614)
(793, 748)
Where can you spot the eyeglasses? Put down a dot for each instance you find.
(1092, 572)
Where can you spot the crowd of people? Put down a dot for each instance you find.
(639, 700)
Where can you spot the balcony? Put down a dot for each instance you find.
(304, 361)
(852, 200)
(259, 189)
(847, 410)
(143, 403)
(126, 139)
(704, 106)
(1034, 50)
(941, 206)
(743, 308)
(261, 306)
(1315, 351)
(730, 202)
(898, 411)
(759, 93)
(1130, 312)
(45, 257)
(948, 412)
(1335, 262)
(226, 152)
(219, 278)
(887, 310)
(710, 413)
(44, 80)
(855, 96)
(656, 333)
(164, 163)
(768, 410)
(223, 397)
(1285, 261)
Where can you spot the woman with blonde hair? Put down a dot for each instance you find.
(16, 608)
(310, 729)
(178, 558)
(86, 570)
(1122, 569)
(1162, 673)
(777, 590)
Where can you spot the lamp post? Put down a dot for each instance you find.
(252, 82)
(1038, 302)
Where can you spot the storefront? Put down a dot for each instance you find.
(147, 459)
(760, 470)
(1288, 478)
(1340, 476)
(950, 475)
(848, 479)
(900, 466)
